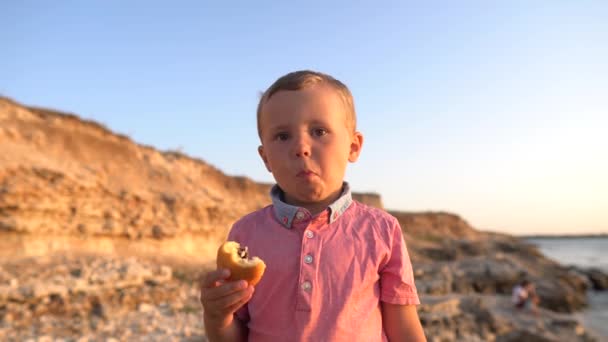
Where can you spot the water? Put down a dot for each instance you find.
(583, 252)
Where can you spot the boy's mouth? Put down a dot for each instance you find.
(306, 173)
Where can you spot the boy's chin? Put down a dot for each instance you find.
(302, 197)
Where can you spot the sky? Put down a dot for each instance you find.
(495, 111)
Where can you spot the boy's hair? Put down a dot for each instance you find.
(303, 79)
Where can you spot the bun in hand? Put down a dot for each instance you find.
(232, 256)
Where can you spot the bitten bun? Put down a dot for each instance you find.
(232, 256)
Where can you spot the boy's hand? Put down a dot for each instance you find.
(221, 298)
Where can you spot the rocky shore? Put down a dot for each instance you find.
(96, 298)
(111, 298)
(102, 239)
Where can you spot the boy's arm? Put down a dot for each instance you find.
(234, 331)
(401, 323)
(220, 300)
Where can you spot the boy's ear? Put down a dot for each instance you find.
(355, 147)
(264, 158)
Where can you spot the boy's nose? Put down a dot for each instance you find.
(303, 153)
(302, 148)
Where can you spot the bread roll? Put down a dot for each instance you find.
(232, 256)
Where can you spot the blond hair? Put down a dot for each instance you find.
(303, 79)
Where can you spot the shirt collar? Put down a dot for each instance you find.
(285, 213)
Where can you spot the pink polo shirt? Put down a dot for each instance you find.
(325, 275)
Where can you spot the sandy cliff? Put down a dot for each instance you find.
(63, 175)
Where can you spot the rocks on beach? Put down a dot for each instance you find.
(482, 318)
(94, 298)
(466, 293)
(97, 298)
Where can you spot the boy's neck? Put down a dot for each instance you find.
(314, 207)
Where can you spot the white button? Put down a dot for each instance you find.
(299, 215)
(306, 286)
(308, 259)
(309, 234)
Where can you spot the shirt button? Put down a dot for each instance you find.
(308, 259)
(306, 286)
(299, 215)
(309, 234)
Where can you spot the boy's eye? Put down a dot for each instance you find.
(319, 132)
(281, 136)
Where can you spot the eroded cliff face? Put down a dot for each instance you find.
(63, 175)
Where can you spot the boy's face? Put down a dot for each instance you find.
(307, 143)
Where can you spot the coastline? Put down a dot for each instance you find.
(562, 236)
(596, 315)
(568, 251)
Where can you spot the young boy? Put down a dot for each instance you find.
(524, 296)
(336, 270)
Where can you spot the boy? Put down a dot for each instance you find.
(336, 270)
(524, 296)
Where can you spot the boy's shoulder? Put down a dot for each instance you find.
(376, 221)
(363, 210)
(256, 216)
(366, 209)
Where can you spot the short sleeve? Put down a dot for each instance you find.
(396, 275)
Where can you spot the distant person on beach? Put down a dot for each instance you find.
(524, 296)
(337, 270)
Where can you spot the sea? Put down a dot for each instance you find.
(585, 252)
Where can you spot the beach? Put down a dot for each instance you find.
(584, 252)
(103, 238)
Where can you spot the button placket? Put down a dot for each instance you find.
(306, 286)
(303, 301)
(307, 266)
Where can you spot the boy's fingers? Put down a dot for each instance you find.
(210, 279)
(234, 307)
(235, 300)
(228, 304)
(225, 290)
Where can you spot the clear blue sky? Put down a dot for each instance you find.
(495, 111)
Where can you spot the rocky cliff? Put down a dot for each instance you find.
(71, 187)
(63, 175)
